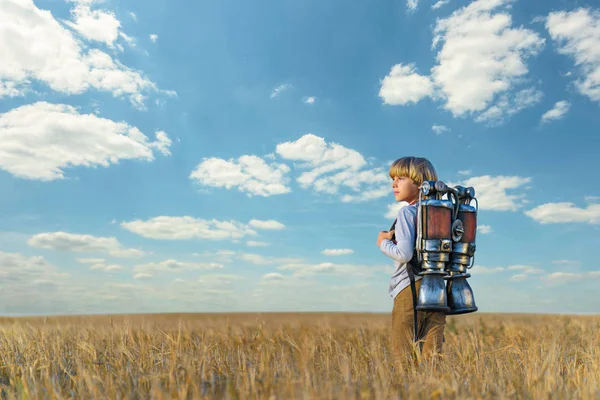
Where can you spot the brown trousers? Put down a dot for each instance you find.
(430, 328)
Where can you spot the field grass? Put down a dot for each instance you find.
(284, 356)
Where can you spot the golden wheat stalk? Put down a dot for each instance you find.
(284, 356)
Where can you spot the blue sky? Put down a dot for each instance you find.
(214, 156)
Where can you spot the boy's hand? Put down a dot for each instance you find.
(384, 235)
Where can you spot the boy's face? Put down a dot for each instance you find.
(405, 189)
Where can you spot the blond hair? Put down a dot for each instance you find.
(418, 169)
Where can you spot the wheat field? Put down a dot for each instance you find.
(298, 355)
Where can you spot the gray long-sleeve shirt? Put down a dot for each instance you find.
(402, 252)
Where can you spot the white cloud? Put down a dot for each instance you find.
(403, 86)
(564, 262)
(332, 166)
(394, 208)
(228, 256)
(78, 243)
(315, 151)
(481, 56)
(564, 212)
(98, 25)
(337, 252)
(218, 292)
(91, 260)
(528, 272)
(439, 4)
(212, 280)
(328, 268)
(559, 110)
(481, 270)
(222, 256)
(173, 266)
(272, 276)
(483, 229)
(32, 285)
(328, 167)
(254, 243)
(577, 34)
(38, 141)
(130, 41)
(186, 227)
(564, 277)
(366, 195)
(123, 285)
(277, 91)
(55, 57)
(527, 269)
(18, 269)
(170, 93)
(162, 143)
(412, 5)
(509, 104)
(351, 288)
(153, 37)
(258, 259)
(465, 172)
(133, 16)
(519, 277)
(310, 100)
(492, 191)
(249, 174)
(105, 267)
(439, 129)
(267, 225)
(480, 66)
(10, 89)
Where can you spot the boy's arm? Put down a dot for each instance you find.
(405, 232)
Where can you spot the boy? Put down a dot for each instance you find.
(408, 173)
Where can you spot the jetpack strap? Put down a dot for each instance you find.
(413, 289)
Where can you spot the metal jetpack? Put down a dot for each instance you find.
(433, 245)
(464, 226)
